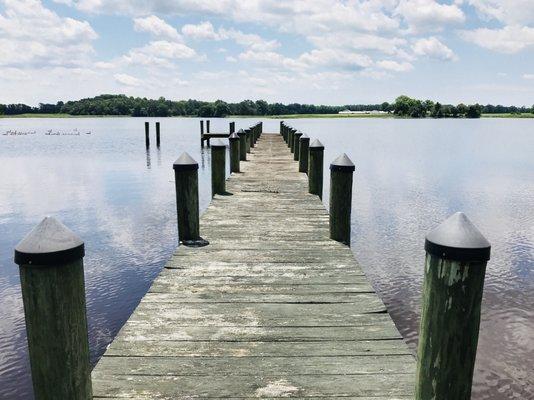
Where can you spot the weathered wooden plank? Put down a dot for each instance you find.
(271, 308)
(256, 349)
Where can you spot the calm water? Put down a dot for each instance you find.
(409, 176)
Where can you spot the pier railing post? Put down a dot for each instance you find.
(315, 168)
(248, 135)
(147, 134)
(455, 266)
(201, 133)
(282, 128)
(242, 145)
(218, 167)
(186, 182)
(303, 153)
(341, 171)
(234, 152)
(252, 138)
(296, 145)
(158, 139)
(291, 139)
(50, 260)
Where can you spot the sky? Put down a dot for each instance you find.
(306, 51)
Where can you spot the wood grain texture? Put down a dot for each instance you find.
(272, 308)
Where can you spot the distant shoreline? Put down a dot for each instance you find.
(289, 116)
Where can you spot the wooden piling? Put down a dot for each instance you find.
(232, 127)
(248, 135)
(341, 171)
(158, 139)
(186, 182)
(234, 152)
(147, 134)
(201, 133)
(252, 138)
(208, 126)
(455, 266)
(242, 145)
(303, 153)
(50, 260)
(315, 168)
(296, 145)
(291, 132)
(218, 167)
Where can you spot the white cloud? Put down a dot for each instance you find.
(335, 58)
(156, 26)
(432, 47)
(127, 80)
(395, 66)
(509, 12)
(206, 31)
(32, 35)
(430, 15)
(528, 76)
(510, 39)
(159, 53)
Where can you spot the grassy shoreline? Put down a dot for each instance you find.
(288, 116)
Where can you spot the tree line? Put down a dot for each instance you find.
(108, 104)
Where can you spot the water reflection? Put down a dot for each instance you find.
(409, 176)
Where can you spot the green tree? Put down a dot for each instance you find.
(221, 109)
(262, 107)
(474, 111)
(207, 110)
(437, 111)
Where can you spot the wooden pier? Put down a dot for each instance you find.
(271, 308)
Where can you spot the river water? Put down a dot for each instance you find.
(410, 175)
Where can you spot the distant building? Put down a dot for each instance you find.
(362, 112)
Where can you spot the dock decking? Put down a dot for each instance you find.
(271, 308)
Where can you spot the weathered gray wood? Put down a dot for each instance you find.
(341, 171)
(53, 293)
(271, 308)
(455, 267)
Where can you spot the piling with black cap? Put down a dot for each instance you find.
(218, 167)
(296, 145)
(186, 182)
(253, 133)
(315, 168)
(50, 260)
(303, 153)
(455, 266)
(158, 139)
(282, 128)
(248, 135)
(147, 134)
(341, 171)
(291, 143)
(234, 152)
(201, 133)
(242, 145)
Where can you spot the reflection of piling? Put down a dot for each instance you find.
(157, 134)
(455, 266)
(341, 171)
(50, 260)
(147, 134)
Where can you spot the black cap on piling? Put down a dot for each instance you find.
(316, 145)
(218, 143)
(240, 132)
(342, 163)
(304, 137)
(49, 243)
(298, 133)
(233, 136)
(185, 163)
(458, 239)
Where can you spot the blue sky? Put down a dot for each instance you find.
(307, 51)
